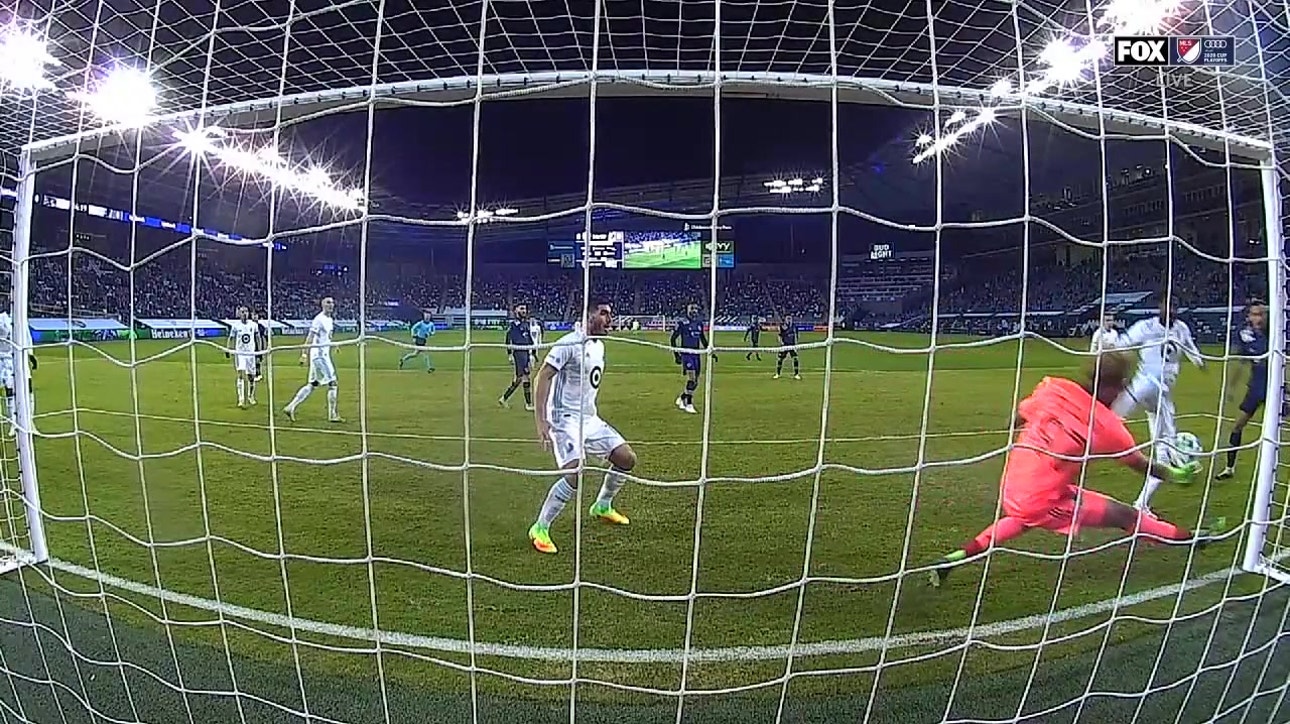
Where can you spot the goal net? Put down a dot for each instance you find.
(282, 458)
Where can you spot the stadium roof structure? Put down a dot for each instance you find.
(253, 63)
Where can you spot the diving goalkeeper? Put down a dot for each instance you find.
(1064, 421)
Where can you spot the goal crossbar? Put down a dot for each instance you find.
(782, 86)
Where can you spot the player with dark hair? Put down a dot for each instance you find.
(1252, 346)
(261, 343)
(689, 334)
(1041, 487)
(520, 348)
(570, 426)
(752, 336)
(788, 339)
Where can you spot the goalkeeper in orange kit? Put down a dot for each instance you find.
(1063, 423)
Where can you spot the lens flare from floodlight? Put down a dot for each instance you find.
(924, 139)
(23, 57)
(1002, 88)
(125, 97)
(506, 211)
(957, 117)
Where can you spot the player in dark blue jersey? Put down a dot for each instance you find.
(752, 336)
(1252, 345)
(261, 343)
(521, 349)
(788, 338)
(689, 334)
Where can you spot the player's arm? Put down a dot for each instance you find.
(1134, 337)
(309, 343)
(675, 341)
(1189, 347)
(555, 360)
(1112, 436)
(232, 340)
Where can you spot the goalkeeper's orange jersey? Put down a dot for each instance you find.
(1060, 419)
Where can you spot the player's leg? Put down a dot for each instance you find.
(407, 356)
(241, 385)
(1002, 530)
(685, 401)
(316, 377)
(10, 409)
(779, 363)
(566, 444)
(604, 440)
(1096, 510)
(797, 364)
(425, 355)
(1160, 421)
(1249, 407)
(251, 362)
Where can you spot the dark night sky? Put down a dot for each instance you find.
(538, 147)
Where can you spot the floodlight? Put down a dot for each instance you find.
(124, 97)
(23, 57)
(506, 211)
(924, 139)
(1001, 88)
(957, 117)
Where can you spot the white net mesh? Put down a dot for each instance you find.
(212, 563)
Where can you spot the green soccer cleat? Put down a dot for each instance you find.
(1210, 533)
(608, 514)
(540, 535)
(942, 568)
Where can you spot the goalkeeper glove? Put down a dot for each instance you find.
(1184, 475)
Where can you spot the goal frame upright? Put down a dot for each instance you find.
(784, 86)
(1255, 561)
(20, 278)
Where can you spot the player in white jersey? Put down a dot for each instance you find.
(1105, 336)
(1161, 342)
(12, 345)
(569, 424)
(242, 348)
(535, 330)
(318, 356)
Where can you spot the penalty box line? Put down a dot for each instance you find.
(445, 645)
(292, 428)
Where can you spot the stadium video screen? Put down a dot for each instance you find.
(684, 249)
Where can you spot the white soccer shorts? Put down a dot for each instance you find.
(243, 362)
(574, 437)
(322, 371)
(1152, 397)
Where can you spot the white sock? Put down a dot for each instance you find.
(241, 390)
(302, 394)
(556, 498)
(614, 480)
(331, 402)
(1148, 490)
(250, 386)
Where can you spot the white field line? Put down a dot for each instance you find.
(646, 656)
(513, 440)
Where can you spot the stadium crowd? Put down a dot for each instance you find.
(982, 298)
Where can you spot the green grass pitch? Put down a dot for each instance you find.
(375, 521)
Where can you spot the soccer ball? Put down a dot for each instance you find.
(1186, 448)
